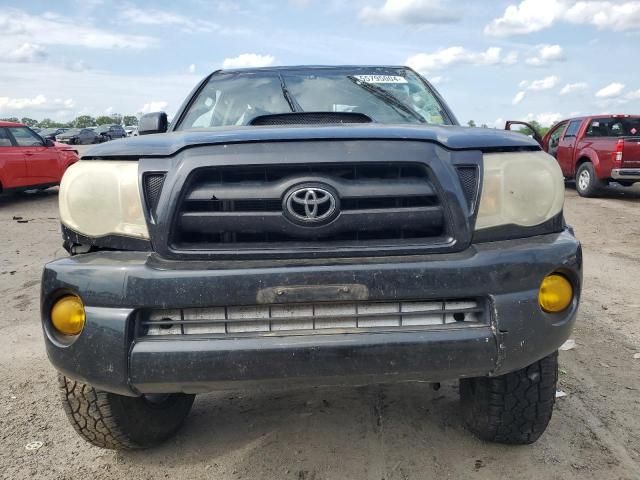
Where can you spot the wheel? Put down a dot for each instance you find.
(587, 183)
(514, 408)
(118, 422)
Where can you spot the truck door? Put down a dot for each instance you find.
(567, 146)
(528, 129)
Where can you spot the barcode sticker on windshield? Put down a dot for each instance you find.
(381, 78)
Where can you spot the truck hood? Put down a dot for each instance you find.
(451, 137)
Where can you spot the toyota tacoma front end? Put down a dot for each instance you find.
(283, 233)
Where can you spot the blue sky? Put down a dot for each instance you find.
(492, 60)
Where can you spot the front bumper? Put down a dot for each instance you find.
(115, 285)
(630, 174)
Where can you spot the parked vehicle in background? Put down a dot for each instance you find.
(79, 136)
(132, 131)
(28, 161)
(51, 133)
(594, 150)
(35, 129)
(110, 132)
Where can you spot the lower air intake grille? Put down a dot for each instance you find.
(311, 318)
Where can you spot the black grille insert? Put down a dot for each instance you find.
(152, 183)
(469, 179)
(242, 207)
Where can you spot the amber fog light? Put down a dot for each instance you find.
(556, 293)
(67, 315)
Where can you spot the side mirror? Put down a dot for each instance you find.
(49, 143)
(153, 123)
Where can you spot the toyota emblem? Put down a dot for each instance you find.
(311, 204)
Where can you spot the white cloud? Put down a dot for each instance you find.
(437, 80)
(546, 83)
(249, 60)
(26, 53)
(150, 16)
(18, 28)
(529, 16)
(635, 95)
(546, 54)
(441, 59)
(7, 103)
(573, 88)
(545, 119)
(412, 12)
(612, 90)
(519, 97)
(192, 68)
(12, 105)
(534, 15)
(69, 94)
(154, 106)
(618, 15)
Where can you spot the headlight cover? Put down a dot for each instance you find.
(99, 198)
(520, 188)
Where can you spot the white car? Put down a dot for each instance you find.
(132, 131)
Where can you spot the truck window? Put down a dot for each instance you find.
(572, 129)
(614, 127)
(554, 139)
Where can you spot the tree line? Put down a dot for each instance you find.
(81, 121)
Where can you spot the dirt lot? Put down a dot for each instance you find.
(382, 432)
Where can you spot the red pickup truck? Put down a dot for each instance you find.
(594, 150)
(28, 161)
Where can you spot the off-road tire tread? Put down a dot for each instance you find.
(89, 411)
(514, 408)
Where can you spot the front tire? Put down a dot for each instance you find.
(514, 408)
(587, 182)
(118, 422)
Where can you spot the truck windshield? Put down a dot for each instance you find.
(389, 95)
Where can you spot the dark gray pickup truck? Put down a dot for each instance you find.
(309, 225)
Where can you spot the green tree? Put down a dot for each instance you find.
(471, 123)
(84, 121)
(117, 118)
(104, 120)
(29, 122)
(130, 120)
(484, 125)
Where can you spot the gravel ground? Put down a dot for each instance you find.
(381, 432)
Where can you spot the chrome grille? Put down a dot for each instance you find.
(309, 318)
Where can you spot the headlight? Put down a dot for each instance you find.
(99, 198)
(523, 188)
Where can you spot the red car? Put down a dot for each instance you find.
(595, 150)
(27, 161)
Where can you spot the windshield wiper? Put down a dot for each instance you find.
(387, 98)
(293, 104)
